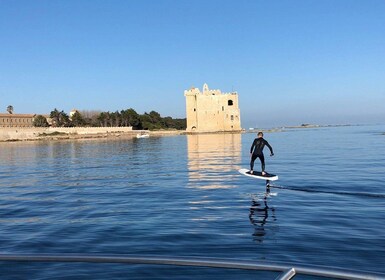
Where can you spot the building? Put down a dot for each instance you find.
(211, 110)
(16, 120)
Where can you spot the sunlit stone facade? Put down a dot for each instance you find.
(211, 110)
(16, 120)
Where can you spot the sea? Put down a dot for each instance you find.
(182, 196)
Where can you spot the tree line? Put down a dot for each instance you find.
(129, 117)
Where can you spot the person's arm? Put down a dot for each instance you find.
(252, 147)
(270, 148)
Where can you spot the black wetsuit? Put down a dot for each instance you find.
(257, 152)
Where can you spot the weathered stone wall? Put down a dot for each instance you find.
(212, 111)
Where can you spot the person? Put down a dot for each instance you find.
(256, 151)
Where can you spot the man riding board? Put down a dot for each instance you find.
(256, 151)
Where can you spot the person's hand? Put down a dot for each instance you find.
(272, 154)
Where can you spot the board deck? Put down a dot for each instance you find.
(258, 175)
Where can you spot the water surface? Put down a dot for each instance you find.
(183, 196)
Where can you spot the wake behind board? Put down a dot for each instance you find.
(258, 175)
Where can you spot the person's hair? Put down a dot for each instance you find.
(260, 133)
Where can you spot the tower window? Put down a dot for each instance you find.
(230, 102)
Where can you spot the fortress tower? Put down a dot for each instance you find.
(211, 110)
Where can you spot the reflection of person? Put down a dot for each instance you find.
(259, 215)
(256, 151)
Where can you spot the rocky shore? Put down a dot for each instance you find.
(73, 133)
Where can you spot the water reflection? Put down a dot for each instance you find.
(212, 158)
(260, 215)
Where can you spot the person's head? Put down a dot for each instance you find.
(260, 134)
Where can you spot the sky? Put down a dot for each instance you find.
(291, 61)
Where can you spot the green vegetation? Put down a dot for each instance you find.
(60, 119)
(78, 120)
(55, 133)
(129, 117)
(10, 109)
(40, 121)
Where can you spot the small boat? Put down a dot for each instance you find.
(142, 135)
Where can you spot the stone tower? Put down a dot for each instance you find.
(211, 110)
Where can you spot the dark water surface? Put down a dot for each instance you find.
(183, 196)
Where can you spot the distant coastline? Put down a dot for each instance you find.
(79, 133)
(302, 126)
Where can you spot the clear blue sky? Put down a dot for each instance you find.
(291, 61)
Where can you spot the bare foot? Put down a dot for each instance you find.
(263, 173)
(251, 172)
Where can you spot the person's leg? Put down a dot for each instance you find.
(262, 159)
(253, 158)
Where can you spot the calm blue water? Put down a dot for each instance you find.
(183, 196)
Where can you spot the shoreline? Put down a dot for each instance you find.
(11, 135)
(30, 134)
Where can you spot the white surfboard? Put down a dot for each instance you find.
(258, 175)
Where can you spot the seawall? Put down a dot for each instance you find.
(62, 133)
(40, 133)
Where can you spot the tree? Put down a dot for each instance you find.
(77, 119)
(10, 109)
(103, 118)
(64, 119)
(151, 120)
(40, 121)
(168, 122)
(130, 118)
(54, 115)
(115, 119)
(145, 122)
(90, 117)
(155, 117)
(60, 119)
(110, 118)
(180, 124)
